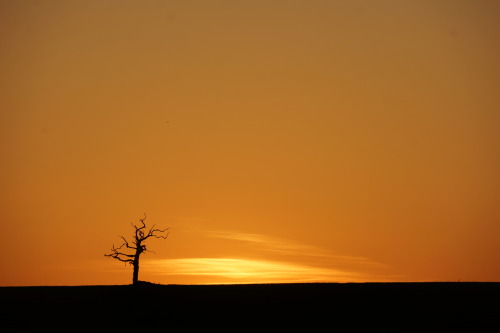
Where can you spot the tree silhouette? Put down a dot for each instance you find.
(137, 248)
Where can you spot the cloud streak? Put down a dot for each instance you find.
(246, 270)
(270, 244)
(269, 260)
(292, 248)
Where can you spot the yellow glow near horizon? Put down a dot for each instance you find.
(278, 260)
(239, 270)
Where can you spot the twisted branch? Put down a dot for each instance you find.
(138, 247)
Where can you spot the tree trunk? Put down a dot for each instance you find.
(135, 278)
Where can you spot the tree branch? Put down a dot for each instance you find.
(126, 244)
(118, 255)
(139, 234)
(152, 231)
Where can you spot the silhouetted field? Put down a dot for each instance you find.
(266, 307)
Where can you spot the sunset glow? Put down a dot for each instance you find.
(281, 141)
(292, 262)
(227, 270)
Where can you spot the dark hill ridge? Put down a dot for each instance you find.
(262, 307)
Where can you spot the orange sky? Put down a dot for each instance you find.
(280, 140)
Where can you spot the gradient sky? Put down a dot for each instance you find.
(282, 141)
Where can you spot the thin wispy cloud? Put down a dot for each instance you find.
(268, 259)
(245, 270)
(292, 248)
(270, 244)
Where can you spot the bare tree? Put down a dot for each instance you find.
(137, 247)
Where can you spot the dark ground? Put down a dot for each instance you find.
(327, 307)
